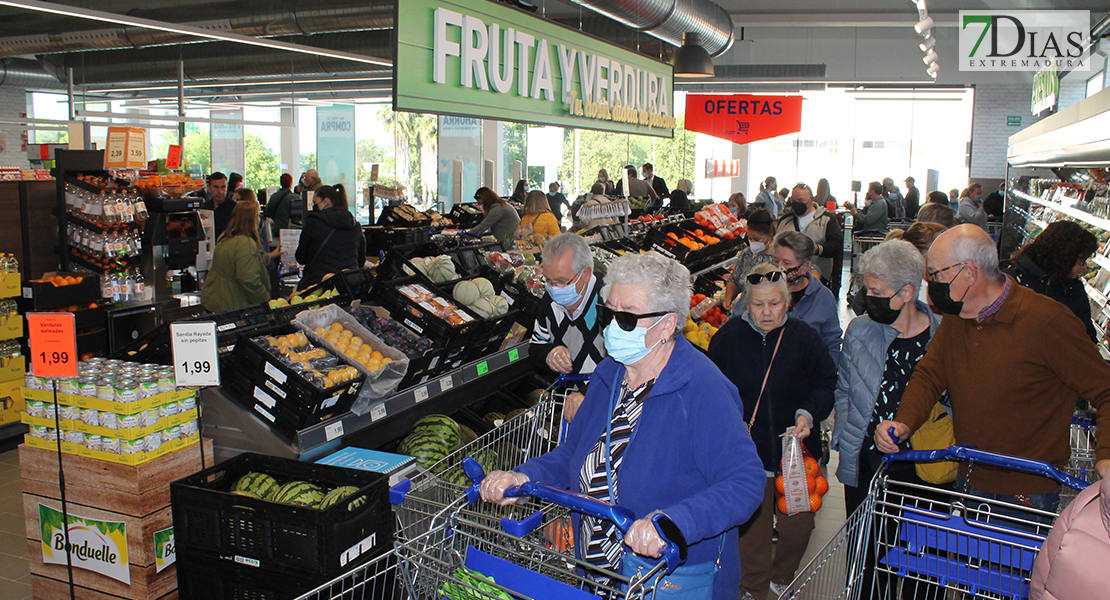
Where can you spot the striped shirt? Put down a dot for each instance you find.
(604, 547)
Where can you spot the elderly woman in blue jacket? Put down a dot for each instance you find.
(881, 349)
(786, 379)
(810, 300)
(678, 444)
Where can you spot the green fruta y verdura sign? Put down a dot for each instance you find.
(483, 59)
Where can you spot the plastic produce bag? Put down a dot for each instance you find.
(801, 478)
(379, 383)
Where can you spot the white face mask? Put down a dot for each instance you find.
(758, 247)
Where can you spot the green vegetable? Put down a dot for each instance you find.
(474, 579)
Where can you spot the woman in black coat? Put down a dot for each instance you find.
(801, 381)
(331, 240)
(1052, 264)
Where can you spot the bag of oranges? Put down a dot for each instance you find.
(800, 484)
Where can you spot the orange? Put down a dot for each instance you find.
(813, 469)
(781, 504)
(814, 503)
(822, 486)
(779, 485)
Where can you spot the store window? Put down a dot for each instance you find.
(45, 105)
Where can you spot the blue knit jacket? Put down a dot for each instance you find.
(690, 456)
(818, 308)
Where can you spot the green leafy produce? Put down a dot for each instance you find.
(474, 579)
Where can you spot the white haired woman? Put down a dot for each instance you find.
(670, 425)
(786, 378)
(881, 349)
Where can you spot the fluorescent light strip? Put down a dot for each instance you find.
(107, 17)
(176, 119)
(151, 88)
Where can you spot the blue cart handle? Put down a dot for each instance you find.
(563, 378)
(974, 455)
(674, 547)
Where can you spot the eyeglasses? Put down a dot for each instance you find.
(477, 197)
(772, 276)
(933, 274)
(625, 320)
(562, 282)
(802, 186)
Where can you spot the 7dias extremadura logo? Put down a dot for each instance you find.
(1024, 40)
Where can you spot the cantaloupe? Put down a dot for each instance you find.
(484, 307)
(485, 288)
(466, 292)
(441, 269)
(500, 305)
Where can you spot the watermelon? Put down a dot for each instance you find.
(488, 459)
(428, 448)
(260, 485)
(247, 493)
(443, 426)
(456, 476)
(300, 493)
(466, 435)
(337, 495)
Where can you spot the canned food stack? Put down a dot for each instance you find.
(114, 410)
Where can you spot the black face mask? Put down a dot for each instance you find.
(941, 296)
(793, 276)
(879, 310)
(799, 208)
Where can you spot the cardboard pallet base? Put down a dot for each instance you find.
(146, 583)
(45, 588)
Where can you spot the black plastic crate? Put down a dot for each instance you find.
(272, 390)
(211, 522)
(382, 239)
(241, 321)
(465, 219)
(152, 348)
(390, 217)
(355, 283)
(43, 295)
(421, 320)
(199, 578)
(433, 363)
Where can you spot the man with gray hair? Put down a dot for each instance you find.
(567, 334)
(1012, 362)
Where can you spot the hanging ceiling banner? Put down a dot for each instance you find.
(477, 58)
(743, 118)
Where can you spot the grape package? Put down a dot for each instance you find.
(391, 332)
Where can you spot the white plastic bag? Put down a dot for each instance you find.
(795, 484)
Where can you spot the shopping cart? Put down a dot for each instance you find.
(862, 241)
(913, 541)
(439, 490)
(900, 223)
(515, 559)
(1081, 465)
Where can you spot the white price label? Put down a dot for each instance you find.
(195, 358)
(333, 430)
(446, 383)
(421, 393)
(377, 412)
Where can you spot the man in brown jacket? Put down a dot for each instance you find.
(1012, 361)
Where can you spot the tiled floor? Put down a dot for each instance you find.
(15, 575)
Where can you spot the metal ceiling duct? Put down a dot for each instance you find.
(669, 19)
(218, 60)
(282, 17)
(26, 74)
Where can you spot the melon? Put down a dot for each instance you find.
(488, 459)
(441, 425)
(484, 307)
(335, 496)
(466, 435)
(426, 447)
(466, 292)
(248, 494)
(485, 288)
(500, 306)
(299, 493)
(441, 269)
(258, 485)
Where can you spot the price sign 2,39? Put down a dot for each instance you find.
(195, 359)
(53, 340)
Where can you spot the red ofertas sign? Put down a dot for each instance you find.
(743, 118)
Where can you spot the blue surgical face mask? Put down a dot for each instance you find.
(735, 209)
(568, 295)
(627, 347)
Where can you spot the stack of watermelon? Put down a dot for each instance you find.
(434, 438)
(298, 493)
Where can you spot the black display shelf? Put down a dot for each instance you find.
(135, 226)
(11, 435)
(126, 263)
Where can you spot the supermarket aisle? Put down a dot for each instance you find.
(15, 575)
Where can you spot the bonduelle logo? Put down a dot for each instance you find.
(1024, 40)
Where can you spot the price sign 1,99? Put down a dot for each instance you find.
(197, 366)
(53, 341)
(195, 359)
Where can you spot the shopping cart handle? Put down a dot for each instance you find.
(564, 378)
(974, 455)
(674, 549)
